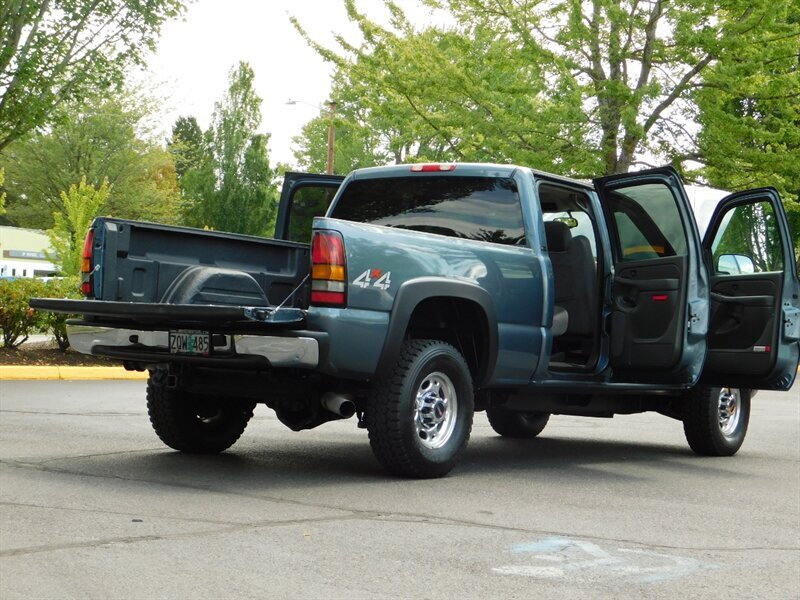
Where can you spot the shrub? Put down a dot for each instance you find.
(17, 319)
(56, 323)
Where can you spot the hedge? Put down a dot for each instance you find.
(18, 320)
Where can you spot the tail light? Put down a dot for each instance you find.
(328, 269)
(86, 264)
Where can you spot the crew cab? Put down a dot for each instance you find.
(427, 292)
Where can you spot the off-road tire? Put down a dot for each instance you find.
(512, 424)
(411, 432)
(705, 427)
(194, 423)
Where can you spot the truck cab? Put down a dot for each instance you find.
(639, 299)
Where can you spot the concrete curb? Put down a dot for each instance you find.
(22, 372)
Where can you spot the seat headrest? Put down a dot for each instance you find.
(558, 236)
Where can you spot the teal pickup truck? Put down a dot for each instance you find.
(427, 292)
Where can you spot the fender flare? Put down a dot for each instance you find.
(413, 292)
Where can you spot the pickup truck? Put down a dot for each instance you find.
(431, 291)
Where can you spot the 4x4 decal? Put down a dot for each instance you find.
(374, 278)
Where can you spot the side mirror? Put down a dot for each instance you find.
(570, 222)
(735, 264)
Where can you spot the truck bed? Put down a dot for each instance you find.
(143, 262)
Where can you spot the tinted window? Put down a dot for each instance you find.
(473, 208)
(308, 201)
(648, 222)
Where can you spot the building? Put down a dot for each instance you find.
(24, 253)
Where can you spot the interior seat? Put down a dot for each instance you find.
(574, 272)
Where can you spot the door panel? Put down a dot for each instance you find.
(754, 294)
(659, 291)
(649, 314)
(303, 197)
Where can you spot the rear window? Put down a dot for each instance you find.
(472, 208)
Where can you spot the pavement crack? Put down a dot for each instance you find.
(34, 464)
(100, 511)
(174, 536)
(436, 520)
(49, 413)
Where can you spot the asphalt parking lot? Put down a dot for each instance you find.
(93, 506)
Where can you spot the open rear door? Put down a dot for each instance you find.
(659, 299)
(303, 197)
(755, 294)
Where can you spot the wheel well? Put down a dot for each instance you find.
(459, 322)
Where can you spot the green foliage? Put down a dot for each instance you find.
(81, 205)
(752, 231)
(3, 194)
(56, 323)
(231, 187)
(17, 319)
(356, 145)
(98, 139)
(579, 88)
(53, 51)
(749, 111)
(187, 145)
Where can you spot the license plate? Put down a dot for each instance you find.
(190, 342)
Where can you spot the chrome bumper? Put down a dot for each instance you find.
(279, 351)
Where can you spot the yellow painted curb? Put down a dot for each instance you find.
(19, 372)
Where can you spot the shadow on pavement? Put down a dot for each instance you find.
(260, 465)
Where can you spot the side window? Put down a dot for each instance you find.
(747, 241)
(648, 222)
(308, 201)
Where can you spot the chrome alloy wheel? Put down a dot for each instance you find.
(729, 413)
(435, 410)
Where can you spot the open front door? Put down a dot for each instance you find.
(303, 197)
(659, 302)
(755, 294)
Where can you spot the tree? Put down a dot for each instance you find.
(98, 139)
(53, 51)
(749, 113)
(580, 88)
(232, 189)
(3, 194)
(187, 145)
(81, 204)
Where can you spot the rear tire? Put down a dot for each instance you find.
(520, 425)
(194, 423)
(420, 415)
(715, 420)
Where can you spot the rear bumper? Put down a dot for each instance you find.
(239, 350)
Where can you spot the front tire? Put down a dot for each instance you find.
(420, 415)
(514, 424)
(194, 423)
(715, 420)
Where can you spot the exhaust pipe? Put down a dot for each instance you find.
(339, 404)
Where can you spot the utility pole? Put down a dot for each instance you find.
(331, 136)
